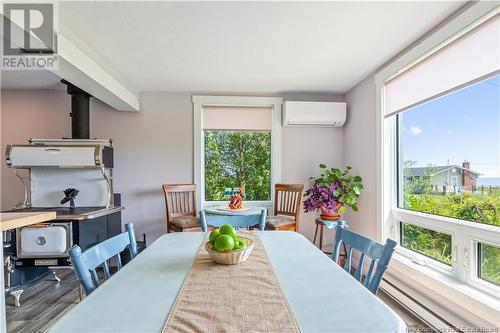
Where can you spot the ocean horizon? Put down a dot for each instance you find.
(488, 181)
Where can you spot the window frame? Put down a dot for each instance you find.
(465, 235)
(199, 101)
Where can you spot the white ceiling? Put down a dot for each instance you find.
(245, 47)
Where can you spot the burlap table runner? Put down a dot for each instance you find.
(234, 298)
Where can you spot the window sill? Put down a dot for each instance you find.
(443, 294)
(400, 213)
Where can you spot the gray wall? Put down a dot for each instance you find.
(152, 147)
(360, 153)
(24, 115)
(303, 149)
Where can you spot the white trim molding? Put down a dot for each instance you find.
(250, 101)
(199, 101)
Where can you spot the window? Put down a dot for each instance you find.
(448, 158)
(489, 263)
(449, 154)
(436, 245)
(440, 155)
(238, 158)
(237, 142)
(454, 182)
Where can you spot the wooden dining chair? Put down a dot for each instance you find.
(245, 221)
(380, 255)
(287, 203)
(85, 263)
(180, 204)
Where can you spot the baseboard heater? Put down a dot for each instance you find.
(412, 305)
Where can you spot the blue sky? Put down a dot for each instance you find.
(464, 125)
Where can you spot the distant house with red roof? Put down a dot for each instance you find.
(446, 178)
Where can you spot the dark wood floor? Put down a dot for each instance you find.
(45, 302)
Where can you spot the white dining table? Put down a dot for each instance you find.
(322, 296)
(221, 210)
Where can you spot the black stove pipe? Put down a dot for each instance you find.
(80, 111)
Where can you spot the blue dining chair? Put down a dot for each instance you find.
(237, 221)
(380, 255)
(85, 263)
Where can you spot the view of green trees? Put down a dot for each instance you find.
(429, 242)
(478, 207)
(235, 158)
(490, 263)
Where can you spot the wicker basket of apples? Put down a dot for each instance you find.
(226, 248)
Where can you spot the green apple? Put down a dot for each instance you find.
(224, 243)
(213, 235)
(227, 229)
(240, 244)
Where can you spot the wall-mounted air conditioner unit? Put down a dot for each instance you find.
(318, 114)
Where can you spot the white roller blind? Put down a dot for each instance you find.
(237, 118)
(472, 56)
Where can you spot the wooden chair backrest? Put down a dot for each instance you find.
(287, 199)
(245, 221)
(380, 255)
(180, 200)
(85, 263)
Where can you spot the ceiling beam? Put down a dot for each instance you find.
(77, 67)
(82, 71)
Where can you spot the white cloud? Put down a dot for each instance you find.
(415, 130)
(449, 131)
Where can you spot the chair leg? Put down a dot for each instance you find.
(80, 292)
(321, 238)
(315, 234)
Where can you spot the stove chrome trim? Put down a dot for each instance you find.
(91, 215)
(26, 203)
(110, 188)
(65, 142)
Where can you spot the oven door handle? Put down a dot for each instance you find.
(40, 225)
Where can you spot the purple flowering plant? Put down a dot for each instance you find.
(333, 191)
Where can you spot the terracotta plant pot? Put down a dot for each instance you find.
(329, 215)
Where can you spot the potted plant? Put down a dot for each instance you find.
(332, 192)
